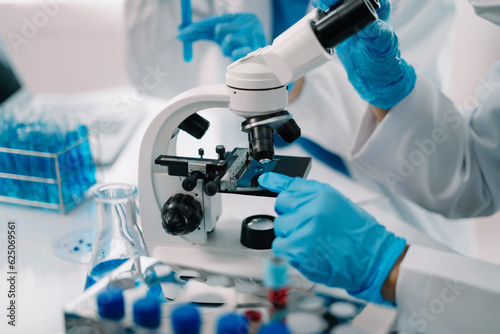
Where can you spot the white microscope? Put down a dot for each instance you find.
(180, 197)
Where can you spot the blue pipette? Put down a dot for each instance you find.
(186, 21)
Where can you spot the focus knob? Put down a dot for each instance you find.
(181, 215)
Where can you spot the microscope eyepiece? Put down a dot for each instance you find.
(344, 20)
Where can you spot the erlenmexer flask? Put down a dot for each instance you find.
(118, 235)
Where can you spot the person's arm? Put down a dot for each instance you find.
(441, 292)
(378, 112)
(388, 290)
(443, 159)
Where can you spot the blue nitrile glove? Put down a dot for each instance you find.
(383, 12)
(329, 239)
(237, 34)
(324, 4)
(373, 62)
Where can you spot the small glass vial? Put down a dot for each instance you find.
(111, 309)
(147, 316)
(186, 319)
(276, 282)
(118, 235)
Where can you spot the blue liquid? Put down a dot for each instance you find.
(101, 270)
(105, 267)
(76, 166)
(187, 14)
(188, 52)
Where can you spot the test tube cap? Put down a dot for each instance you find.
(232, 324)
(274, 327)
(147, 312)
(111, 304)
(186, 319)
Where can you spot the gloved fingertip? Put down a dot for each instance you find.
(191, 34)
(274, 182)
(181, 35)
(277, 247)
(264, 181)
(182, 38)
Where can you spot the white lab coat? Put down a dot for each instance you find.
(448, 161)
(439, 157)
(329, 109)
(444, 293)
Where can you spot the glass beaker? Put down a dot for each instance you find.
(118, 235)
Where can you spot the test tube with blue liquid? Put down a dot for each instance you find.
(147, 316)
(41, 159)
(186, 319)
(186, 21)
(276, 282)
(111, 310)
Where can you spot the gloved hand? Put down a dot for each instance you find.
(237, 34)
(329, 239)
(373, 61)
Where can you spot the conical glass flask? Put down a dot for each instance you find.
(118, 235)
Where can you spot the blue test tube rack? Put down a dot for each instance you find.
(42, 179)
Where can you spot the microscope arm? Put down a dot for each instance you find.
(159, 135)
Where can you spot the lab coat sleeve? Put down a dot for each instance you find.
(443, 159)
(441, 292)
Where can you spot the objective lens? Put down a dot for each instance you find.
(261, 139)
(289, 131)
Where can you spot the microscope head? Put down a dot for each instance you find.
(261, 99)
(257, 83)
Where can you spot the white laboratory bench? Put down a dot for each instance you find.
(46, 283)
